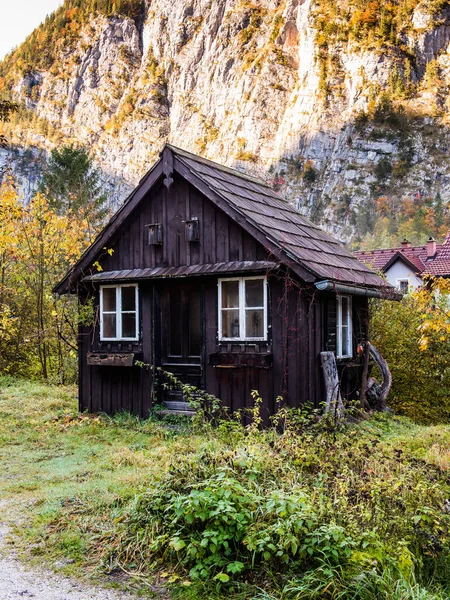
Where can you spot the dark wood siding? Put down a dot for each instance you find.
(302, 321)
(221, 240)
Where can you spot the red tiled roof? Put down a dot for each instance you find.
(380, 260)
(440, 265)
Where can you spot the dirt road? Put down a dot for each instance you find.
(19, 583)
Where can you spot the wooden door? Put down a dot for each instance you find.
(182, 335)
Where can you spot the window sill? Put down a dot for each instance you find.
(227, 360)
(246, 341)
(118, 340)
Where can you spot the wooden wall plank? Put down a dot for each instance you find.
(297, 326)
(235, 241)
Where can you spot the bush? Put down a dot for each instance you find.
(309, 173)
(324, 515)
(413, 336)
(383, 168)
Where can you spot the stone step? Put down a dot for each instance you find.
(187, 413)
(175, 395)
(177, 405)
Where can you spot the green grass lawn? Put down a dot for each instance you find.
(229, 511)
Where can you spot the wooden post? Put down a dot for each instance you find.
(330, 373)
(376, 392)
(362, 397)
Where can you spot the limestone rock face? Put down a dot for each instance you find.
(240, 83)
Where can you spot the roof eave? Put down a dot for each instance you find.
(69, 280)
(400, 256)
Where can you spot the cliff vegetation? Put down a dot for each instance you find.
(342, 105)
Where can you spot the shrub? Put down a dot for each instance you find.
(331, 515)
(309, 173)
(413, 337)
(383, 168)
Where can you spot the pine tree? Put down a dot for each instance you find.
(73, 185)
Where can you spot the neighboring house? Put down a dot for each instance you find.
(407, 266)
(211, 275)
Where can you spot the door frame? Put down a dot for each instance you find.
(160, 309)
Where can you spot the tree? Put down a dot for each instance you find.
(413, 336)
(37, 245)
(6, 108)
(72, 186)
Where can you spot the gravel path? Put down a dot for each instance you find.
(17, 582)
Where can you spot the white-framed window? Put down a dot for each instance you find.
(119, 312)
(344, 344)
(403, 285)
(242, 309)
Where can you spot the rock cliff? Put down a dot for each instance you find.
(285, 89)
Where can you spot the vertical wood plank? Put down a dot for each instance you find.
(235, 241)
(209, 244)
(222, 241)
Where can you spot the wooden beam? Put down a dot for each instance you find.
(330, 373)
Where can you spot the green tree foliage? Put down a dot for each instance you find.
(72, 186)
(413, 336)
(415, 218)
(6, 109)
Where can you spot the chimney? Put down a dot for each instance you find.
(431, 248)
(406, 243)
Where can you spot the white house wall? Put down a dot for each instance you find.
(401, 271)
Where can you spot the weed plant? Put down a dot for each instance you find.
(299, 510)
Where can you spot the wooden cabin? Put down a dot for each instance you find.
(211, 275)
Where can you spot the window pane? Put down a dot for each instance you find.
(346, 345)
(175, 328)
(230, 324)
(344, 305)
(109, 326)
(128, 325)
(230, 294)
(128, 298)
(195, 328)
(254, 292)
(404, 286)
(254, 323)
(109, 299)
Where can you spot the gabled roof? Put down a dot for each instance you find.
(288, 236)
(412, 262)
(382, 259)
(416, 257)
(440, 265)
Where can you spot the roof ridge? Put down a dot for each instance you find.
(394, 249)
(216, 165)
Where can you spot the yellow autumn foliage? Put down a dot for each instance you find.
(414, 337)
(37, 245)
